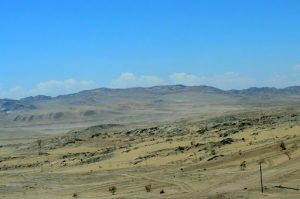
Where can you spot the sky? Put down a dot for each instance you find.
(55, 47)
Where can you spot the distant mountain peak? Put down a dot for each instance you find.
(36, 98)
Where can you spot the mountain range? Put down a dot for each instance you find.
(156, 103)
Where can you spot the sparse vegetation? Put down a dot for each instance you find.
(99, 159)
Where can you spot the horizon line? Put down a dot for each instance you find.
(149, 87)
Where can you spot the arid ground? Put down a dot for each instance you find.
(190, 156)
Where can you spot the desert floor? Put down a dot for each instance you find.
(189, 158)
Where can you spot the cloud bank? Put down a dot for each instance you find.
(127, 79)
(224, 81)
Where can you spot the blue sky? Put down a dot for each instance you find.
(59, 46)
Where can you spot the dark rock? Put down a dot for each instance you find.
(229, 132)
(58, 115)
(226, 141)
(182, 149)
(89, 113)
(98, 158)
(215, 157)
(202, 130)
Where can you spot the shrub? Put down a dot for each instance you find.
(243, 165)
(112, 190)
(282, 146)
(148, 188)
(213, 152)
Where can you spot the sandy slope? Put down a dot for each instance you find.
(173, 157)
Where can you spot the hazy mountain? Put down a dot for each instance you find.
(32, 99)
(294, 90)
(140, 104)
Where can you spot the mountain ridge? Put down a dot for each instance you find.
(176, 87)
(167, 88)
(141, 104)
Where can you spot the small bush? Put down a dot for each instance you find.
(112, 190)
(148, 188)
(213, 152)
(282, 146)
(243, 165)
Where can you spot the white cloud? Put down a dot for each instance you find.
(186, 79)
(126, 80)
(226, 80)
(51, 87)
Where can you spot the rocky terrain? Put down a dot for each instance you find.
(193, 157)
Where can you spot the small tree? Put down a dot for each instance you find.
(112, 190)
